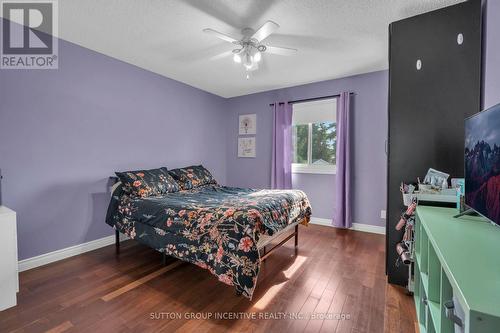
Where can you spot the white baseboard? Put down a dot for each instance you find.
(355, 226)
(321, 221)
(71, 251)
(374, 229)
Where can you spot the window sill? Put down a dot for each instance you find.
(320, 170)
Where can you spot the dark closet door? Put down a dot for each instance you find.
(427, 107)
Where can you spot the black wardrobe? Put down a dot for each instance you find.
(434, 84)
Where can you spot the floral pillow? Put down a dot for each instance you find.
(147, 183)
(192, 177)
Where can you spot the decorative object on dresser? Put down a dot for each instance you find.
(433, 192)
(8, 247)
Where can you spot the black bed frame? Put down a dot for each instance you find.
(264, 254)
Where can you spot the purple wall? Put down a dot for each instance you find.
(63, 132)
(492, 54)
(62, 135)
(370, 133)
(319, 190)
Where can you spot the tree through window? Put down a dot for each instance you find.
(314, 136)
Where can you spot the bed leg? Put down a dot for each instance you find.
(117, 241)
(297, 235)
(163, 258)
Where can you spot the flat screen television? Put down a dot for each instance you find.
(482, 163)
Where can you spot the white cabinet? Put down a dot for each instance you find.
(9, 283)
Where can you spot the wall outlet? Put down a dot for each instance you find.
(383, 214)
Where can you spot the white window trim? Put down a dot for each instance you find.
(317, 169)
(309, 167)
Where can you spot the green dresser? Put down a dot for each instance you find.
(456, 259)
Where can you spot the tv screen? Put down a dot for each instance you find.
(482, 163)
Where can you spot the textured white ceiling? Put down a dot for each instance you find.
(335, 38)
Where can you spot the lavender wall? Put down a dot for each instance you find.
(63, 132)
(492, 54)
(319, 190)
(370, 132)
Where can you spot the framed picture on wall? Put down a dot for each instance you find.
(246, 147)
(247, 124)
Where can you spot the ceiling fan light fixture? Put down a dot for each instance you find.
(237, 58)
(257, 56)
(248, 50)
(248, 60)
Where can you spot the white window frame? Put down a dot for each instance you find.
(317, 169)
(311, 168)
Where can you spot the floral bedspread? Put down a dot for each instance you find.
(214, 227)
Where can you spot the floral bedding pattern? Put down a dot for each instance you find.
(145, 183)
(192, 177)
(214, 227)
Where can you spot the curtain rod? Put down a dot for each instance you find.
(311, 99)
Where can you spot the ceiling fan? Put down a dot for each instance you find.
(249, 48)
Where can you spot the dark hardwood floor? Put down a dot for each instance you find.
(333, 272)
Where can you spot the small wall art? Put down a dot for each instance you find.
(247, 124)
(246, 147)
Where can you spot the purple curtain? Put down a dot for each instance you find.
(281, 172)
(342, 213)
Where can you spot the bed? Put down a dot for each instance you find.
(222, 229)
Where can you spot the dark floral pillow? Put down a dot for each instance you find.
(147, 183)
(192, 177)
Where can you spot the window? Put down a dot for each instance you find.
(314, 136)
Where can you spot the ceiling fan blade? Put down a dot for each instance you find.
(222, 55)
(263, 32)
(285, 51)
(220, 35)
